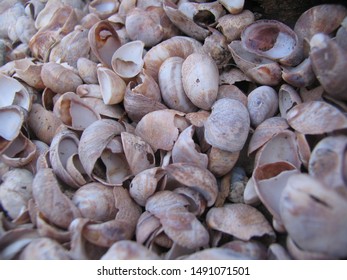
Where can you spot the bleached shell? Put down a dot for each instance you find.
(171, 86)
(59, 78)
(288, 98)
(112, 86)
(103, 8)
(127, 61)
(262, 104)
(303, 118)
(233, 6)
(200, 79)
(228, 125)
(29, 72)
(239, 220)
(176, 46)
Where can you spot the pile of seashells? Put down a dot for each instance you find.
(171, 130)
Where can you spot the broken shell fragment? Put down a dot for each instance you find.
(303, 118)
(228, 125)
(59, 78)
(233, 6)
(301, 75)
(127, 61)
(274, 40)
(111, 85)
(288, 98)
(103, 8)
(330, 151)
(314, 215)
(329, 62)
(259, 69)
(239, 220)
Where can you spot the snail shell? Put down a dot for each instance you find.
(200, 78)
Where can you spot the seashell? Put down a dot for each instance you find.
(270, 180)
(95, 201)
(13, 116)
(323, 18)
(183, 22)
(262, 104)
(216, 46)
(312, 94)
(252, 249)
(111, 85)
(185, 150)
(233, 92)
(61, 23)
(341, 34)
(239, 220)
(232, 25)
(216, 254)
(97, 153)
(20, 152)
(15, 191)
(129, 250)
(14, 93)
(29, 72)
(160, 129)
(60, 78)
(301, 75)
(233, 6)
(228, 125)
(74, 112)
(104, 8)
(47, 190)
(197, 201)
(112, 111)
(265, 131)
(104, 41)
(200, 79)
(220, 162)
(330, 151)
(138, 153)
(10, 12)
(87, 91)
(176, 46)
(147, 86)
(71, 47)
(250, 196)
(89, 20)
(259, 69)
(333, 75)
(314, 215)
(64, 145)
(171, 86)
(46, 14)
(300, 254)
(43, 123)
(121, 228)
(143, 4)
(203, 14)
(24, 29)
(146, 183)
(200, 179)
(288, 98)
(302, 118)
(281, 147)
(137, 105)
(274, 40)
(278, 252)
(126, 6)
(44, 248)
(150, 25)
(34, 7)
(179, 224)
(13, 241)
(127, 61)
(198, 118)
(87, 70)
